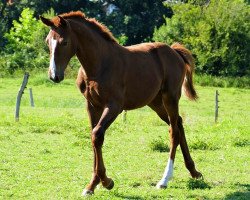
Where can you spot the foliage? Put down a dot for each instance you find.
(20, 47)
(159, 145)
(199, 144)
(241, 142)
(25, 48)
(134, 18)
(216, 31)
(208, 80)
(218, 34)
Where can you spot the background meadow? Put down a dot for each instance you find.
(48, 155)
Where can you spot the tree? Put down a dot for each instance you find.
(25, 45)
(134, 18)
(217, 34)
(11, 10)
(131, 21)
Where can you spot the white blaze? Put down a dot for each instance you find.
(168, 174)
(52, 64)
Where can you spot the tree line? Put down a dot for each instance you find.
(216, 31)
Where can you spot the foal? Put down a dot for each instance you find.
(114, 78)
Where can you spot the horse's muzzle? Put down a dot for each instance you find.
(57, 79)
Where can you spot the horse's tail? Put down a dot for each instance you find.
(189, 60)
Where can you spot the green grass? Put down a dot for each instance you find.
(224, 82)
(47, 154)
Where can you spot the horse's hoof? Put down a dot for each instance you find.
(197, 175)
(87, 192)
(110, 185)
(160, 186)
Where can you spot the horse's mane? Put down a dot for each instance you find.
(97, 26)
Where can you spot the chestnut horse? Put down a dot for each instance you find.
(114, 78)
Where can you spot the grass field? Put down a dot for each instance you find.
(47, 154)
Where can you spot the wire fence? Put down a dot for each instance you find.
(61, 97)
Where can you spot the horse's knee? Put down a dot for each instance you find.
(97, 136)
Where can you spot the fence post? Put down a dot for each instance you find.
(216, 105)
(31, 98)
(124, 116)
(19, 95)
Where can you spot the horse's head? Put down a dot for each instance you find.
(61, 45)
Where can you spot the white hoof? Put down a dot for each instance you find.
(161, 185)
(87, 192)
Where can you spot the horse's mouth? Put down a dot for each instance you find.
(57, 79)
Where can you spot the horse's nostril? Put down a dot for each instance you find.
(57, 79)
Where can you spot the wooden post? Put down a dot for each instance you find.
(216, 105)
(19, 95)
(31, 98)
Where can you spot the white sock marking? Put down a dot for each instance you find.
(168, 174)
(52, 64)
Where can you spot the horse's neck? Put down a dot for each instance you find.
(91, 50)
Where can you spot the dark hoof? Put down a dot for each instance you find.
(197, 175)
(110, 185)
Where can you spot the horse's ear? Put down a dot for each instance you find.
(46, 21)
(62, 21)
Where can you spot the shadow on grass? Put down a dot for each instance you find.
(193, 184)
(240, 195)
(128, 197)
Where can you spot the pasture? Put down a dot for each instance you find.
(48, 155)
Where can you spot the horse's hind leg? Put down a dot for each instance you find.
(177, 136)
(186, 154)
(171, 106)
(159, 108)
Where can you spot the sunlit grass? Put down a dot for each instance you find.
(48, 154)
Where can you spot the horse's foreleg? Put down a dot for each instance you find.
(94, 117)
(108, 116)
(186, 154)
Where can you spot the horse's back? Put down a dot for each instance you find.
(157, 52)
(155, 57)
(145, 47)
(162, 57)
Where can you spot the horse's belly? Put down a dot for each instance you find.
(141, 94)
